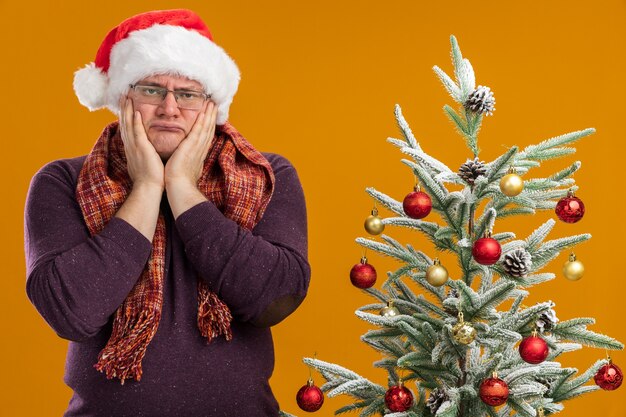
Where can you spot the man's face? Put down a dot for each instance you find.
(166, 124)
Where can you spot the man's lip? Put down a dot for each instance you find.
(171, 128)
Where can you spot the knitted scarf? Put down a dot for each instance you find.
(235, 177)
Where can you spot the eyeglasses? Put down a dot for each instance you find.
(186, 99)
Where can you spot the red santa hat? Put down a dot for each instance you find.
(158, 42)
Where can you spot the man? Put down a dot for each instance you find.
(165, 255)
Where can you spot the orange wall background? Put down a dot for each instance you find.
(319, 83)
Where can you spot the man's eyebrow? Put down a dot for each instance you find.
(156, 84)
(151, 84)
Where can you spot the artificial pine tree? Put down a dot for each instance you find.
(462, 356)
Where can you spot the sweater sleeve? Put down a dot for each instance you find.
(74, 280)
(263, 274)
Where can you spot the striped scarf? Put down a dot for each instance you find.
(235, 177)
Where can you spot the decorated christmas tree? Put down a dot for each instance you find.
(467, 345)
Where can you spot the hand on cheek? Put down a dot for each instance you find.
(186, 163)
(143, 162)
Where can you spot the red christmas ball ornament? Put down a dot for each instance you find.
(494, 391)
(533, 349)
(609, 377)
(417, 204)
(570, 209)
(398, 398)
(363, 275)
(486, 250)
(310, 398)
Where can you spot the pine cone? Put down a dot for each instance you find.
(437, 397)
(471, 170)
(481, 101)
(449, 302)
(517, 263)
(546, 321)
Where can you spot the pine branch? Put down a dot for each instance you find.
(431, 164)
(457, 120)
(451, 87)
(423, 365)
(503, 236)
(499, 167)
(574, 387)
(331, 369)
(464, 76)
(406, 291)
(382, 334)
(353, 407)
(429, 229)
(521, 375)
(582, 321)
(474, 121)
(485, 222)
(532, 280)
(522, 409)
(388, 250)
(534, 240)
(586, 337)
(428, 306)
(405, 129)
(377, 294)
(449, 408)
(551, 249)
(404, 414)
(400, 272)
(468, 298)
(416, 337)
(566, 172)
(523, 318)
(492, 298)
(376, 406)
(531, 152)
(376, 319)
(518, 211)
(434, 322)
(420, 279)
(579, 391)
(386, 201)
(350, 387)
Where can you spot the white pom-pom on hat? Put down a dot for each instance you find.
(90, 85)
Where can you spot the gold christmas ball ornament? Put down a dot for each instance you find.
(389, 310)
(463, 332)
(573, 269)
(436, 274)
(511, 184)
(374, 224)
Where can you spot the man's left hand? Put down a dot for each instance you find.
(185, 165)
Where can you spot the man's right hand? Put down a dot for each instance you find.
(143, 162)
(146, 170)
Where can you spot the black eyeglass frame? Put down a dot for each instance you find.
(174, 92)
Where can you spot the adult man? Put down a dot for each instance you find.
(166, 253)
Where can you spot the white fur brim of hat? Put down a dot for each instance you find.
(160, 49)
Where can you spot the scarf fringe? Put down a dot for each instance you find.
(122, 356)
(214, 316)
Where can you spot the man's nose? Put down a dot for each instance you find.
(169, 105)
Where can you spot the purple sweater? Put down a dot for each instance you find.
(76, 282)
